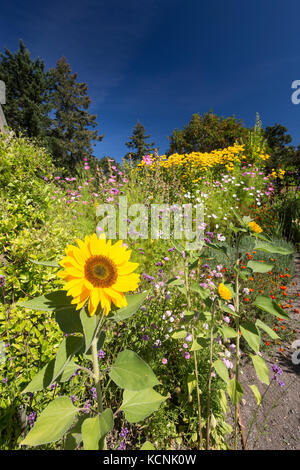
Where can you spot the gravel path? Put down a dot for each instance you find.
(282, 428)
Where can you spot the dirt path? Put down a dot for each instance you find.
(282, 428)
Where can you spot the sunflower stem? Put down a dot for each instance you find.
(97, 375)
(195, 364)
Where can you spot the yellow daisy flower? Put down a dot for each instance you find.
(98, 271)
(224, 292)
(255, 227)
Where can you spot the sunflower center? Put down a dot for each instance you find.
(100, 271)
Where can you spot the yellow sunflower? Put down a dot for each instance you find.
(255, 227)
(98, 271)
(224, 292)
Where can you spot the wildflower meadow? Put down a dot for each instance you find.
(140, 305)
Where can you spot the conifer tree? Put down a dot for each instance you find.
(138, 143)
(73, 127)
(27, 92)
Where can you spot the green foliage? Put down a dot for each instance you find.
(138, 145)
(27, 92)
(171, 323)
(206, 133)
(72, 131)
(53, 422)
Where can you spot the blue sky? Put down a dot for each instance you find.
(160, 61)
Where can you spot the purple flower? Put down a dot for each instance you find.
(2, 280)
(5, 380)
(124, 432)
(227, 363)
(101, 354)
(187, 355)
(94, 393)
(276, 369)
(145, 338)
(164, 361)
(122, 446)
(87, 406)
(74, 398)
(31, 418)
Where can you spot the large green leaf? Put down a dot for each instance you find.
(227, 309)
(235, 391)
(67, 372)
(134, 302)
(179, 334)
(51, 302)
(53, 422)
(270, 248)
(203, 293)
(251, 335)
(199, 343)
(228, 332)
(138, 405)
(191, 383)
(261, 368)
(256, 394)
(267, 329)
(67, 348)
(219, 247)
(44, 377)
(221, 370)
(95, 429)
(270, 306)
(147, 446)
(131, 372)
(74, 437)
(258, 267)
(66, 314)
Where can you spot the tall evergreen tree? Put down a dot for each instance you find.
(138, 143)
(73, 127)
(27, 92)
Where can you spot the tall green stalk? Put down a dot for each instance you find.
(209, 381)
(237, 364)
(195, 365)
(97, 370)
